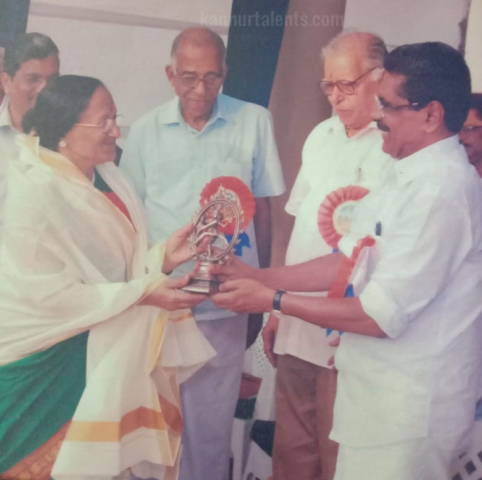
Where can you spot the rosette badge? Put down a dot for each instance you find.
(337, 211)
(227, 207)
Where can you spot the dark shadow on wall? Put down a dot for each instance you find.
(255, 35)
(13, 19)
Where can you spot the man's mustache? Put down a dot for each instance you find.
(381, 126)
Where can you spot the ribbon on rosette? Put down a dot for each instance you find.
(346, 267)
(335, 216)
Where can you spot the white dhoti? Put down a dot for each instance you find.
(418, 459)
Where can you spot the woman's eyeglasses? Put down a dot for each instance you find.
(106, 125)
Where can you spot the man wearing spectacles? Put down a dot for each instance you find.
(171, 154)
(409, 362)
(29, 62)
(341, 155)
(471, 133)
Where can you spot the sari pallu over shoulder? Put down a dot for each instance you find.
(60, 283)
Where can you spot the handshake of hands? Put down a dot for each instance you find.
(239, 292)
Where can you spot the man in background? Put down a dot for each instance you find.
(341, 157)
(170, 155)
(30, 61)
(471, 133)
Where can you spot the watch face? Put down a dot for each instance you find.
(277, 302)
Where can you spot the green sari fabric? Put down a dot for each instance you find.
(38, 396)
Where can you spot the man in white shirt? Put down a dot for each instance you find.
(342, 160)
(171, 154)
(30, 61)
(409, 361)
(471, 133)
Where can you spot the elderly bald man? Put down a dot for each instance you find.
(171, 153)
(342, 160)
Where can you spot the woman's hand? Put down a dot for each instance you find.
(244, 296)
(169, 297)
(178, 249)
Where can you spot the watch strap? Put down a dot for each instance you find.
(277, 300)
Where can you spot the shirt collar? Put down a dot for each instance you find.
(412, 166)
(5, 119)
(340, 129)
(173, 115)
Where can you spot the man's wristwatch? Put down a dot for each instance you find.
(277, 302)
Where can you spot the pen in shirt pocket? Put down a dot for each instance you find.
(378, 229)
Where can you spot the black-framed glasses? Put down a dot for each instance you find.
(384, 106)
(190, 80)
(470, 128)
(106, 125)
(348, 87)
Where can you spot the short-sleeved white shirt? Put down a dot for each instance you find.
(422, 283)
(331, 160)
(170, 163)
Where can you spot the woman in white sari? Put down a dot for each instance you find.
(90, 356)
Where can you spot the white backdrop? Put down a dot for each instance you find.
(473, 50)
(124, 43)
(409, 21)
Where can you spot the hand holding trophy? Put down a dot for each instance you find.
(227, 207)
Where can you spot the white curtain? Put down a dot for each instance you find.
(473, 48)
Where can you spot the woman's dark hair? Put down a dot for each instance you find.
(434, 71)
(59, 107)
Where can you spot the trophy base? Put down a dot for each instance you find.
(204, 287)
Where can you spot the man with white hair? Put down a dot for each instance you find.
(171, 154)
(342, 160)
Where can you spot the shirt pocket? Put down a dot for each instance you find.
(239, 167)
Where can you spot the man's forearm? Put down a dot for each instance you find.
(316, 275)
(344, 314)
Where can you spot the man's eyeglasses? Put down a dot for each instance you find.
(106, 125)
(470, 128)
(348, 87)
(211, 80)
(384, 106)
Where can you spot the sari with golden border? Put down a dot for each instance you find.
(89, 379)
